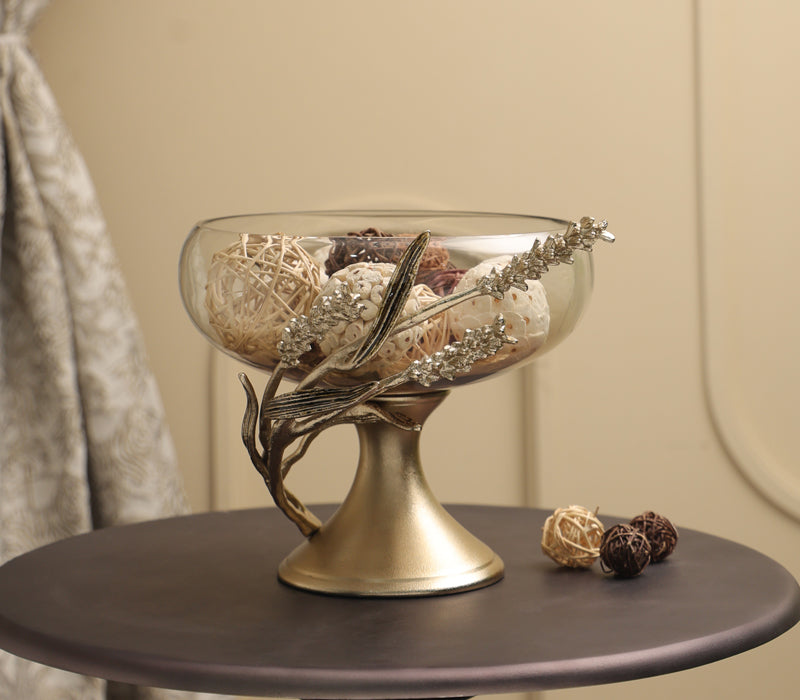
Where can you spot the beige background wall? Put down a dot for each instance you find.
(674, 120)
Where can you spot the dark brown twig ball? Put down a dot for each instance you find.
(374, 245)
(624, 550)
(660, 532)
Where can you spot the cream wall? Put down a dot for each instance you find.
(674, 120)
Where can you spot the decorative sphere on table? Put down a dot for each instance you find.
(659, 531)
(379, 345)
(571, 537)
(625, 551)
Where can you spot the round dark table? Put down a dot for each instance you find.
(194, 603)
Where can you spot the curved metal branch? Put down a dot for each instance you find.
(303, 404)
(249, 422)
(363, 413)
(305, 520)
(302, 448)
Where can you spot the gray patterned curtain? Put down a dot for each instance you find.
(83, 441)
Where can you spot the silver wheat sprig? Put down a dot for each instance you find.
(327, 311)
(458, 357)
(543, 255)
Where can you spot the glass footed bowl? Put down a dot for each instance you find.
(244, 278)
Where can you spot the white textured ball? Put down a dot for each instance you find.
(526, 313)
(369, 280)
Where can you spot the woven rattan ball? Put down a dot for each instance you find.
(659, 531)
(369, 280)
(255, 286)
(571, 537)
(625, 551)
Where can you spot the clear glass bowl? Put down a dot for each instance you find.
(243, 278)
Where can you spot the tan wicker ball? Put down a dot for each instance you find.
(571, 536)
(255, 286)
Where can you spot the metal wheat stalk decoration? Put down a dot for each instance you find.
(295, 418)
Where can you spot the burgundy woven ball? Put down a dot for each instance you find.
(659, 531)
(624, 550)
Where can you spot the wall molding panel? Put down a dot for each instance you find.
(748, 150)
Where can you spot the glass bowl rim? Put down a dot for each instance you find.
(214, 224)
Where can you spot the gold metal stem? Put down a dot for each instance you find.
(391, 537)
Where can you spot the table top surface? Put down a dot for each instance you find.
(194, 603)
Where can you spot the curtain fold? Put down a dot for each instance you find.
(83, 440)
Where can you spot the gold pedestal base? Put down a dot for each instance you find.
(391, 537)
